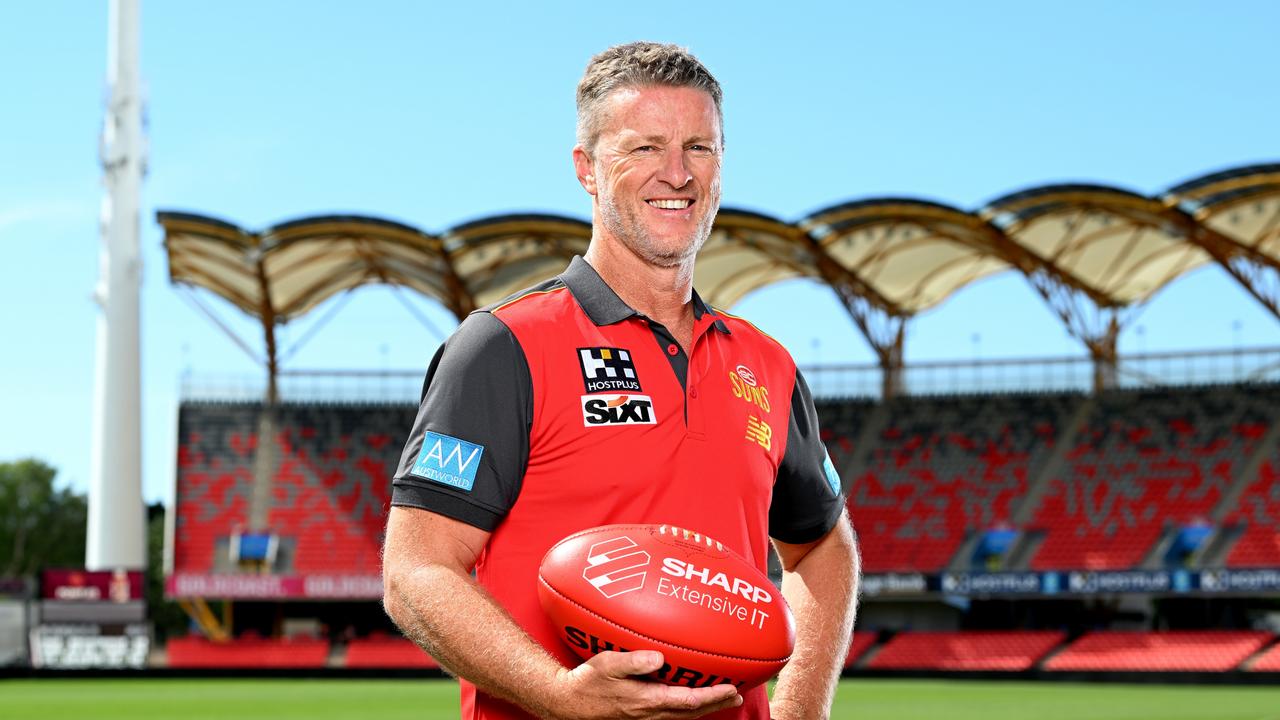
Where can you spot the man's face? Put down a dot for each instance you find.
(656, 171)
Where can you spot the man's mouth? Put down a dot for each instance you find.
(673, 204)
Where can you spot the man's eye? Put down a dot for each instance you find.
(699, 149)
(645, 149)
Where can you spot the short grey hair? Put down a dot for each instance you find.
(638, 64)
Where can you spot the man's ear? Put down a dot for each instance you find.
(585, 169)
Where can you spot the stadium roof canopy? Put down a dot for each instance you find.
(1093, 252)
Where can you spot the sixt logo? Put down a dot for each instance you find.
(601, 410)
(615, 566)
(448, 461)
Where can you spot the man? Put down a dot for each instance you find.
(612, 394)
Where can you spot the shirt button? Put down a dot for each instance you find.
(672, 349)
(693, 393)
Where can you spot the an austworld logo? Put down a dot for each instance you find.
(616, 566)
(448, 461)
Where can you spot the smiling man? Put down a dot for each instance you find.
(613, 394)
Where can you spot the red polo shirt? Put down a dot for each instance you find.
(562, 409)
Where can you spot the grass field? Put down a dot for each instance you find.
(129, 699)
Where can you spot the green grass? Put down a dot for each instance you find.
(130, 699)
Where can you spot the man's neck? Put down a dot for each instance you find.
(663, 294)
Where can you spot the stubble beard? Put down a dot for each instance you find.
(625, 224)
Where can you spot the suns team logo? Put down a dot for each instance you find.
(746, 387)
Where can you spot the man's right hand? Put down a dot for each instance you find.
(606, 687)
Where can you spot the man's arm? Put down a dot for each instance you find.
(820, 583)
(431, 596)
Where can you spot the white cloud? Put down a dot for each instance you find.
(57, 212)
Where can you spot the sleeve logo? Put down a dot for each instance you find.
(448, 461)
(608, 370)
(833, 478)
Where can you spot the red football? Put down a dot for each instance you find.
(714, 617)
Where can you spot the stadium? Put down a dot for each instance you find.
(1115, 516)
(1089, 535)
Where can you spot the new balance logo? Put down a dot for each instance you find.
(615, 566)
(759, 432)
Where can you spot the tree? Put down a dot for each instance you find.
(168, 617)
(40, 525)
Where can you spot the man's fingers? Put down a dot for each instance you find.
(625, 664)
(618, 674)
(691, 702)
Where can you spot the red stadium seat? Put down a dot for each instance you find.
(1199, 650)
(197, 652)
(943, 467)
(1010, 651)
(1258, 513)
(862, 642)
(1268, 661)
(1145, 461)
(387, 652)
(330, 483)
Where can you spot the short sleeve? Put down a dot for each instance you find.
(469, 447)
(807, 497)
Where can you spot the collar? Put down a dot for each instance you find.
(603, 305)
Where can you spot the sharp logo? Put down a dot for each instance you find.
(616, 566)
(601, 410)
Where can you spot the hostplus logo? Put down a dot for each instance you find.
(616, 566)
(608, 370)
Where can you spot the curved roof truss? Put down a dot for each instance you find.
(1092, 251)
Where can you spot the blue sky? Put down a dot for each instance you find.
(435, 114)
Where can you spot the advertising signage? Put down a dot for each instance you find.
(275, 587)
(1075, 583)
(119, 586)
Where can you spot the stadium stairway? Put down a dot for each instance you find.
(1026, 545)
(325, 496)
(1267, 660)
(945, 467)
(852, 439)
(1257, 519)
(1246, 510)
(862, 642)
(1147, 461)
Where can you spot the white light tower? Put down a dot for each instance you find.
(115, 536)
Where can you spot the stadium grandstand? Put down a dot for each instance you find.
(1096, 513)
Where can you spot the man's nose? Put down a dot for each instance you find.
(674, 172)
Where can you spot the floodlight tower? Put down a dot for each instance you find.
(115, 533)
